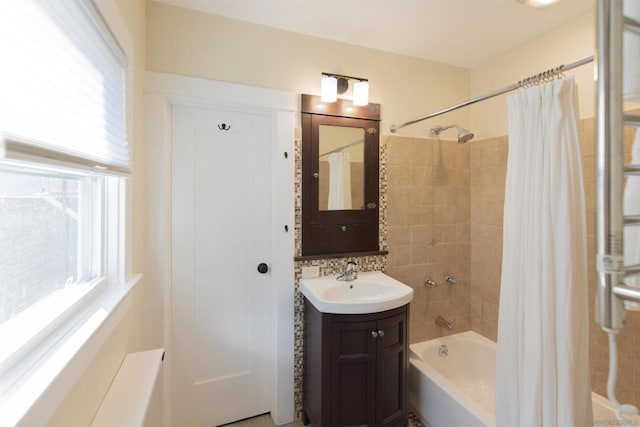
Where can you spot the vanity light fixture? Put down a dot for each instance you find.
(333, 85)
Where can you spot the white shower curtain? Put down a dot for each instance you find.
(542, 370)
(339, 181)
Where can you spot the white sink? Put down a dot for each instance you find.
(371, 292)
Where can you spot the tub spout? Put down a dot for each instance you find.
(443, 323)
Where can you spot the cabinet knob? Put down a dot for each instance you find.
(380, 333)
(374, 334)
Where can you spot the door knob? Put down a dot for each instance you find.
(263, 268)
(374, 334)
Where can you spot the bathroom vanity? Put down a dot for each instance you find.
(355, 364)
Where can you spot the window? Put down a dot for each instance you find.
(64, 158)
(62, 84)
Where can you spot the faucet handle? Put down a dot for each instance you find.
(430, 283)
(450, 280)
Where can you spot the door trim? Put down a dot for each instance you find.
(162, 91)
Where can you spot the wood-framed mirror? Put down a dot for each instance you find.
(340, 178)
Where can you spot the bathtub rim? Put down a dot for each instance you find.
(444, 383)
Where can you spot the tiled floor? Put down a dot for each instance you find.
(265, 421)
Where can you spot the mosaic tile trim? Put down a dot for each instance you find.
(414, 420)
(328, 266)
(382, 234)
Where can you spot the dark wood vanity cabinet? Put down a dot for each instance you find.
(355, 368)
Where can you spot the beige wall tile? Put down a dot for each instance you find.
(420, 196)
(420, 153)
(398, 236)
(399, 176)
(420, 176)
(429, 229)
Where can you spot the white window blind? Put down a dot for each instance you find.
(62, 85)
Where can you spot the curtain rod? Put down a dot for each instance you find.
(541, 77)
(360, 141)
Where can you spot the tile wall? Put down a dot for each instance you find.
(488, 172)
(428, 219)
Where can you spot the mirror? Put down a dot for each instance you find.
(340, 178)
(341, 168)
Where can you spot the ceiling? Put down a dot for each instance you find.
(465, 33)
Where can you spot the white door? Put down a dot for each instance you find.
(221, 231)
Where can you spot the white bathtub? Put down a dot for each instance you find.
(458, 390)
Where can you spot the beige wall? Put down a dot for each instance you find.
(195, 44)
(82, 402)
(574, 40)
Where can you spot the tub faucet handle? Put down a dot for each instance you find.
(450, 280)
(430, 283)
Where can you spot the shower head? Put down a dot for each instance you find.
(464, 135)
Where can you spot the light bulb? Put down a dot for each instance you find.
(361, 93)
(329, 89)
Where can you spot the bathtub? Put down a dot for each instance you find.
(458, 389)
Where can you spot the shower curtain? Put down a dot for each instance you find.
(339, 181)
(542, 370)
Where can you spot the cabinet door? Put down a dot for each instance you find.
(392, 371)
(353, 374)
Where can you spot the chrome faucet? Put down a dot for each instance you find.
(350, 273)
(444, 323)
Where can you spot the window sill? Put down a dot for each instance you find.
(36, 396)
